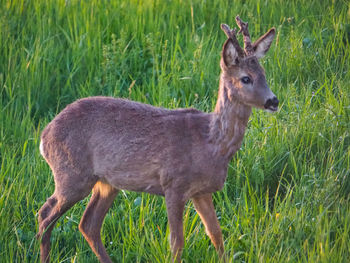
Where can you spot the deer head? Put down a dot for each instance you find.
(244, 77)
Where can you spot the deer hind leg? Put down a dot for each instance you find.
(205, 208)
(63, 198)
(90, 225)
(175, 207)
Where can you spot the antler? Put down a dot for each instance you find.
(243, 28)
(232, 34)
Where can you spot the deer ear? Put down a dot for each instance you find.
(229, 53)
(263, 44)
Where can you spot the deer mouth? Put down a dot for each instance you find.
(271, 109)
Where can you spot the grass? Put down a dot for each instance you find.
(287, 194)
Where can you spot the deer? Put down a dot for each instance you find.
(103, 145)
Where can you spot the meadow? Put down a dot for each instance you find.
(286, 198)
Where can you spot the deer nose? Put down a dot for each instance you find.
(271, 103)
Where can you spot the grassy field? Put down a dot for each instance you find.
(287, 194)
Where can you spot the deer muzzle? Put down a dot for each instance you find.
(271, 104)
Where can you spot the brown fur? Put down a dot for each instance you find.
(105, 144)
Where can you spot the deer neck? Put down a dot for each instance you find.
(228, 123)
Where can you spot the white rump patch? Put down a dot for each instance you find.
(41, 148)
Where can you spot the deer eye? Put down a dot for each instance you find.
(246, 80)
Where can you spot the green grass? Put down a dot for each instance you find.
(287, 194)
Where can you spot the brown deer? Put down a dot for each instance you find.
(105, 144)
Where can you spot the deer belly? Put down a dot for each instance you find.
(138, 181)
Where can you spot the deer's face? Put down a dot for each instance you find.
(245, 78)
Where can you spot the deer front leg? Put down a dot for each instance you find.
(175, 207)
(205, 208)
